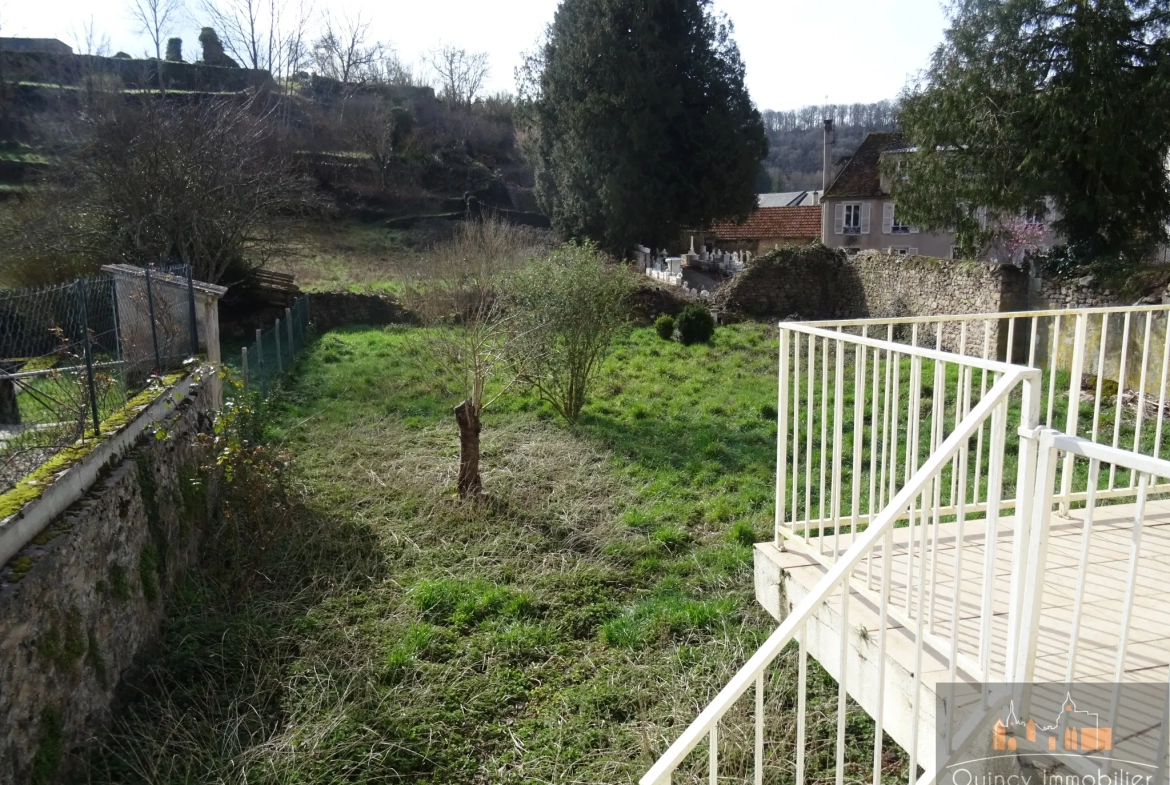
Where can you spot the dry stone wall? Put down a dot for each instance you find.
(1080, 292)
(88, 594)
(890, 286)
(815, 282)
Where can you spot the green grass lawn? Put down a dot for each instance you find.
(565, 629)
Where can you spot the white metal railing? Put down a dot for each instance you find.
(1132, 567)
(849, 578)
(883, 441)
(858, 415)
(1105, 374)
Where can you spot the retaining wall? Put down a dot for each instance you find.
(814, 282)
(88, 593)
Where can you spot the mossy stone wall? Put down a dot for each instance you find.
(80, 601)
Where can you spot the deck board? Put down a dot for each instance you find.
(1148, 640)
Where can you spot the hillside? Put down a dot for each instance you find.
(796, 138)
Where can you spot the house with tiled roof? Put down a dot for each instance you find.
(765, 229)
(858, 213)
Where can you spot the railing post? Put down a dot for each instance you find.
(153, 326)
(1025, 491)
(1021, 658)
(1076, 368)
(93, 402)
(782, 438)
(244, 366)
(194, 326)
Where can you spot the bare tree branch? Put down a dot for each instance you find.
(155, 18)
(460, 73)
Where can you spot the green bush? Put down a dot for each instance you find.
(664, 326)
(695, 325)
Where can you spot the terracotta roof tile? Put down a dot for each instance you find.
(769, 222)
(861, 177)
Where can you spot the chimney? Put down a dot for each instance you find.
(827, 174)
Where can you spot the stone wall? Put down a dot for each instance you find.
(79, 602)
(802, 282)
(1081, 292)
(328, 310)
(814, 283)
(889, 286)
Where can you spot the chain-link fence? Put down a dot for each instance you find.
(275, 349)
(72, 355)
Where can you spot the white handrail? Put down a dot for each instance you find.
(837, 575)
(906, 349)
(983, 316)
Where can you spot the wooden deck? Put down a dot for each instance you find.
(783, 578)
(1147, 656)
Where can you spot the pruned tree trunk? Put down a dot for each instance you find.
(469, 483)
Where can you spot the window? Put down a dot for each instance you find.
(891, 224)
(1036, 216)
(852, 219)
(901, 250)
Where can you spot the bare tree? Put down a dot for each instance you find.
(390, 70)
(201, 183)
(471, 348)
(155, 18)
(379, 130)
(342, 52)
(460, 73)
(90, 41)
(262, 34)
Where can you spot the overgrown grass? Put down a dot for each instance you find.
(565, 629)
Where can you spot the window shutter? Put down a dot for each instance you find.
(887, 217)
(838, 219)
(866, 208)
(913, 251)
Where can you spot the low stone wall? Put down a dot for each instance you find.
(80, 601)
(328, 310)
(1081, 292)
(889, 286)
(815, 283)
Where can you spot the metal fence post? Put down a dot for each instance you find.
(93, 402)
(292, 347)
(260, 363)
(244, 365)
(276, 334)
(191, 307)
(153, 326)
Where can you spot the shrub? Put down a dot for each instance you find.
(664, 326)
(695, 325)
(571, 307)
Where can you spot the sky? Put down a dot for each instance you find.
(797, 52)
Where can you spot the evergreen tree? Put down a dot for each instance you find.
(1028, 100)
(643, 124)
